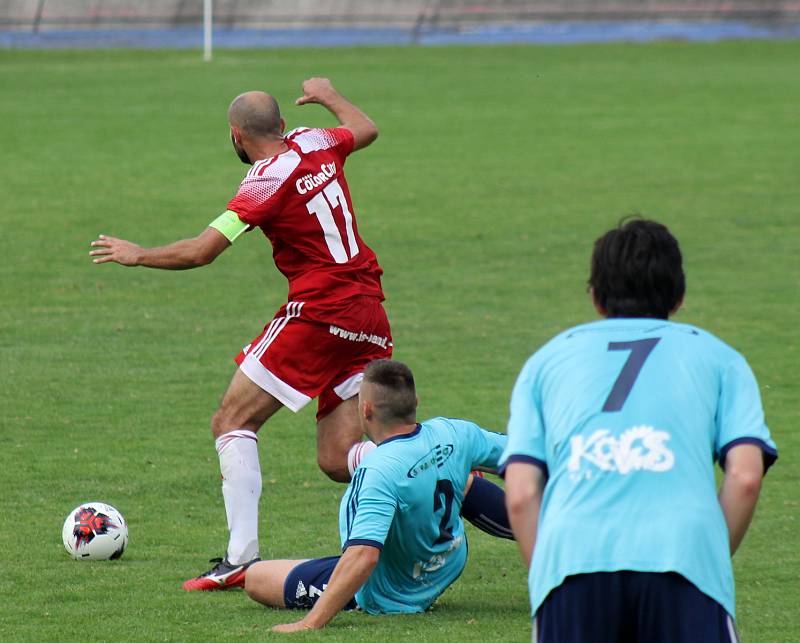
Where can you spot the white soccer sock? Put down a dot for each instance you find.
(357, 453)
(241, 489)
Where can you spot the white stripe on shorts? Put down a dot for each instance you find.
(293, 309)
(252, 347)
(275, 327)
(287, 395)
(732, 630)
(350, 387)
(266, 335)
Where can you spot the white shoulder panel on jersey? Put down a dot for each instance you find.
(311, 140)
(296, 131)
(266, 177)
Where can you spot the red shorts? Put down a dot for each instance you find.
(298, 357)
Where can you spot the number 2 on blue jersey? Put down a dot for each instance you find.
(443, 499)
(640, 350)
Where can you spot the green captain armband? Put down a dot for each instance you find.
(229, 224)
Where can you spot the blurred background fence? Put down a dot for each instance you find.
(36, 15)
(144, 22)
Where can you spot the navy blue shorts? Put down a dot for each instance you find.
(631, 607)
(306, 582)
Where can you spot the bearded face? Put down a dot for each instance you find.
(240, 151)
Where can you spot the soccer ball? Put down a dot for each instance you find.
(95, 531)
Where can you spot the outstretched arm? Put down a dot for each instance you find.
(187, 253)
(738, 494)
(322, 92)
(350, 573)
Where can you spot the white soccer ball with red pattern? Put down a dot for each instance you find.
(95, 531)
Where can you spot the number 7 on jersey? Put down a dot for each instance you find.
(322, 206)
(639, 352)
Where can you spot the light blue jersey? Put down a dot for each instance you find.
(405, 498)
(627, 417)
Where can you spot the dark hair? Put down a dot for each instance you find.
(637, 270)
(394, 396)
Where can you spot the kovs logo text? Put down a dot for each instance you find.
(310, 181)
(640, 448)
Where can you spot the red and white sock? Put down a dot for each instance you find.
(241, 490)
(357, 453)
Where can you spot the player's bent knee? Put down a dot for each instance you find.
(334, 467)
(223, 422)
(218, 424)
(265, 581)
(250, 583)
(262, 587)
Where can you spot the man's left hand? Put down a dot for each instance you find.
(317, 90)
(287, 628)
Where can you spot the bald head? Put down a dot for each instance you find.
(255, 114)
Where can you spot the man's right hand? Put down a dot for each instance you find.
(117, 250)
(187, 253)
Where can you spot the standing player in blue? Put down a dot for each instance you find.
(400, 519)
(614, 430)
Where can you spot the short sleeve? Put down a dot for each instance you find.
(338, 141)
(255, 200)
(486, 446)
(526, 438)
(740, 416)
(344, 141)
(370, 509)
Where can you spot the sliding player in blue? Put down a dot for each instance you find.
(400, 521)
(614, 431)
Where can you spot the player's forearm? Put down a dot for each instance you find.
(180, 255)
(351, 572)
(344, 111)
(322, 92)
(738, 496)
(364, 130)
(523, 502)
(523, 521)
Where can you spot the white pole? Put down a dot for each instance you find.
(207, 19)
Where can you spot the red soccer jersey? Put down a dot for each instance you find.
(301, 202)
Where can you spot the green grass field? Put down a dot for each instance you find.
(496, 169)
